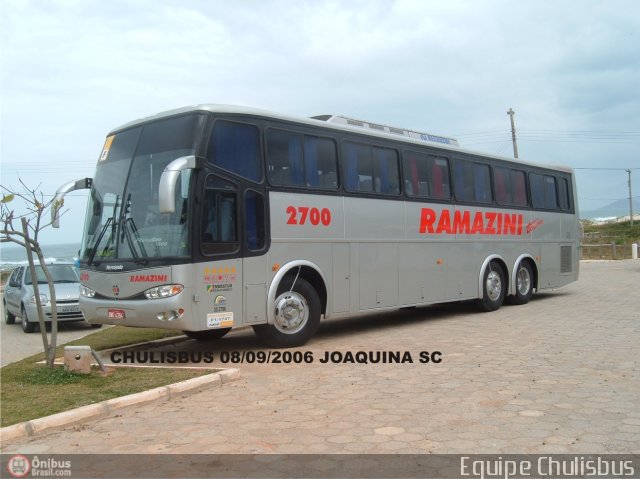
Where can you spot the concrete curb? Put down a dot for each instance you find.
(104, 408)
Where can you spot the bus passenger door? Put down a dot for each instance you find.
(254, 263)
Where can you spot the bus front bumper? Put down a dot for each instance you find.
(165, 313)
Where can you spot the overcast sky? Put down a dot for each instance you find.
(72, 70)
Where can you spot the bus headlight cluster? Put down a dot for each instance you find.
(165, 291)
(87, 292)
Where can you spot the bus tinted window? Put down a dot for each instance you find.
(426, 176)
(172, 134)
(510, 187)
(235, 147)
(563, 194)
(543, 191)
(122, 145)
(255, 220)
(386, 179)
(472, 182)
(294, 159)
(219, 232)
(371, 169)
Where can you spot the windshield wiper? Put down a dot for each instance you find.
(94, 250)
(127, 225)
(130, 225)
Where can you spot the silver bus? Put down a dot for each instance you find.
(211, 217)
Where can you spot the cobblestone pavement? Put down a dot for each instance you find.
(560, 374)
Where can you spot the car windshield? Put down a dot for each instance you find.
(62, 273)
(123, 220)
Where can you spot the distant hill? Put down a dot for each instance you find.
(615, 209)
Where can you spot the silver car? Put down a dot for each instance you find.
(19, 299)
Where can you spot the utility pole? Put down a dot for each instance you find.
(513, 132)
(630, 199)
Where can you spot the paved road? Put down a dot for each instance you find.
(16, 345)
(561, 374)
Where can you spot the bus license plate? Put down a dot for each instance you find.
(70, 309)
(116, 314)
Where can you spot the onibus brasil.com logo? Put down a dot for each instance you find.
(21, 466)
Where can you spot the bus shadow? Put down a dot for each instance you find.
(246, 340)
(331, 328)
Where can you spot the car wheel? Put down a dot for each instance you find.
(9, 318)
(207, 335)
(297, 315)
(27, 327)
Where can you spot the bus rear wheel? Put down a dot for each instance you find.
(524, 284)
(494, 287)
(297, 315)
(207, 335)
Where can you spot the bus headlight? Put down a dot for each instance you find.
(165, 291)
(87, 292)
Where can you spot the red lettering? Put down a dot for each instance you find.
(510, 224)
(444, 225)
(304, 214)
(478, 224)
(427, 217)
(148, 278)
(519, 224)
(491, 219)
(484, 223)
(461, 222)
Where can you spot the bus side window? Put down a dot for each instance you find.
(551, 196)
(235, 147)
(219, 225)
(543, 191)
(518, 188)
(439, 178)
(359, 168)
(482, 183)
(563, 194)
(385, 167)
(501, 180)
(410, 174)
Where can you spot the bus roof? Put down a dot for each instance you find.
(341, 123)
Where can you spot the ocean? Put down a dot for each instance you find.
(12, 255)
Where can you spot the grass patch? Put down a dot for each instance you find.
(30, 390)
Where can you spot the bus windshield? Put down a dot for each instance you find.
(123, 221)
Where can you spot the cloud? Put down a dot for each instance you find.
(73, 70)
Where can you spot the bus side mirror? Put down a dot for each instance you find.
(168, 180)
(58, 200)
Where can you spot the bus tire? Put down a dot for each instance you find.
(207, 335)
(524, 284)
(494, 287)
(297, 315)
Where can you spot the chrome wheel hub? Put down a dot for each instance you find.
(523, 281)
(494, 285)
(292, 312)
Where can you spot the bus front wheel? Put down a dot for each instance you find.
(296, 318)
(494, 287)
